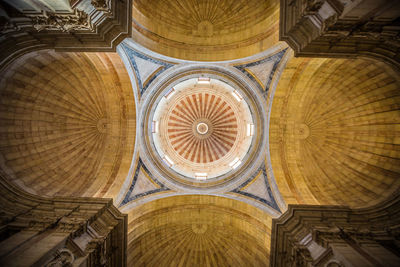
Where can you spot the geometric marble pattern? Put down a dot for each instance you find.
(257, 187)
(262, 71)
(146, 69)
(143, 184)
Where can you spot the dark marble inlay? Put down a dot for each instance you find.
(131, 54)
(276, 58)
(271, 203)
(129, 198)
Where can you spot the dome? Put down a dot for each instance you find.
(200, 140)
(206, 30)
(201, 128)
(203, 132)
(198, 125)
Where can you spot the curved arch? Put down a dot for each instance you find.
(333, 132)
(67, 123)
(206, 30)
(196, 230)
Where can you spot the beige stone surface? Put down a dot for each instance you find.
(67, 123)
(198, 230)
(206, 30)
(68, 128)
(334, 132)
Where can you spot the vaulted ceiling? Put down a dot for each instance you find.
(67, 123)
(207, 29)
(68, 128)
(195, 230)
(334, 132)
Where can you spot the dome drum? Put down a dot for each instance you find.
(202, 138)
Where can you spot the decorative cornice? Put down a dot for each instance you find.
(90, 25)
(71, 22)
(320, 28)
(326, 225)
(81, 222)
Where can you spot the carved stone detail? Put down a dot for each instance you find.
(84, 26)
(329, 22)
(312, 7)
(84, 228)
(63, 258)
(77, 21)
(320, 28)
(102, 5)
(311, 235)
(98, 246)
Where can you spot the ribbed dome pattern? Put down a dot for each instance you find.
(64, 123)
(334, 132)
(198, 231)
(206, 29)
(202, 127)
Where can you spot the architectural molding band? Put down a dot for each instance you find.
(333, 28)
(80, 26)
(307, 235)
(57, 231)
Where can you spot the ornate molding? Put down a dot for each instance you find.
(307, 235)
(102, 5)
(76, 21)
(63, 258)
(332, 28)
(59, 230)
(85, 26)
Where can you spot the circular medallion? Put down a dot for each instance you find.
(202, 128)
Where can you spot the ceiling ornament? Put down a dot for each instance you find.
(257, 187)
(202, 128)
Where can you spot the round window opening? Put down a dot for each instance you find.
(202, 128)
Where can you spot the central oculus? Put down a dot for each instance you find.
(200, 128)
